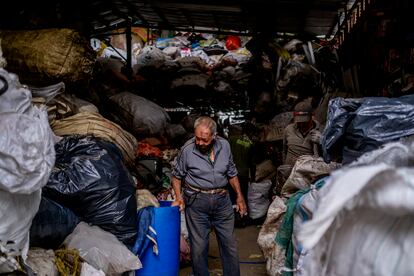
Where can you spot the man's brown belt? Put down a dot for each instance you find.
(206, 191)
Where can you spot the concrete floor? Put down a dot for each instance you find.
(251, 258)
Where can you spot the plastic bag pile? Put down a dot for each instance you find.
(27, 157)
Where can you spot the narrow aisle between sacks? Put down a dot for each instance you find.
(252, 262)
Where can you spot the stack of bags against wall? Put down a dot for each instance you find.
(357, 126)
(27, 158)
(89, 207)
(278, 236)
(91, 180)
(138, 115)
(359, 214)
(86, 251)
(363, 215)
(90, 183)
(296, 76)
(69, 115)
(51, 97)
(258, 190)
(61, 56)
(93, 124)
(190, 61)
(48, 56)
(59, 103)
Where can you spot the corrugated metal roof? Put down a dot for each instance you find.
(315, 17)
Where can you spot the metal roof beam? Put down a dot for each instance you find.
(188, 17)
(135, 12)
(201, 30)
(304, 14)
(243, 13)
(335, 23)
(115, 9)
(197, 7)
(161, 15)
(216, 21)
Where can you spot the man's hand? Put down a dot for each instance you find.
(240, 203)
(180, 203)
(315, 136)
(241, 206)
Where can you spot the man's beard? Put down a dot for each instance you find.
(205, 149)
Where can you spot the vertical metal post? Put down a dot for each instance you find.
(338, 32)
(346, 17)
(128, 35)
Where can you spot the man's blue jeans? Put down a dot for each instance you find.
(206, 211)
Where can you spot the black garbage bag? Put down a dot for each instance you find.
(357, 126)
(149, 172)
(51, 225)
(90, 178)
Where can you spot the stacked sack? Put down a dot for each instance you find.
(48, 55)
(27, 157)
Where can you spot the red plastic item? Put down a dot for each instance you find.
(147, 150)
(233, 42)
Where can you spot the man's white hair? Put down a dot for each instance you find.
(206, 122)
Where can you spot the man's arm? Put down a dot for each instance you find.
(241, 204)
(285, 147)
(179, 201)
(252, 163)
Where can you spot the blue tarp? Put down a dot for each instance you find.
(357, 126)
(146, 232)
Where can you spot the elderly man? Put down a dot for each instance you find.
(204, 167)
(300, 138)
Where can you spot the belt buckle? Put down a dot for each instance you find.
(210, 192)
(219, 191)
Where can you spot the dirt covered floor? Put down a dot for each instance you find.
(251, 258)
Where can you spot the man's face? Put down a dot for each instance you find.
(304, 127)
(203, 139)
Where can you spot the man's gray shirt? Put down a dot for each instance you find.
(196, 169)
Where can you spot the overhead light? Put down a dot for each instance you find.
(118, 21)
(201, 7)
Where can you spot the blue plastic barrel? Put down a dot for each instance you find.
(167, 226)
